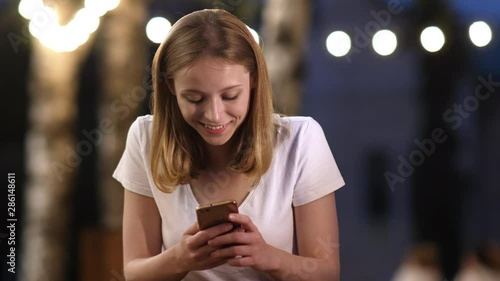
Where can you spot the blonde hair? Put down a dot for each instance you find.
(176, 151)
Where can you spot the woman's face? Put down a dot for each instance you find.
(213, 96)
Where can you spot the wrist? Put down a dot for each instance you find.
(180, 265)
(276, 259)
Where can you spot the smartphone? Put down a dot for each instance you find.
(215, 213)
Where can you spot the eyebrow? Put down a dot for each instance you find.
(195, 91)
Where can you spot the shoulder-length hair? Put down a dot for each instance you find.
(176, 148)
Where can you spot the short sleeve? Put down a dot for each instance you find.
(317, 171)
(131, 171)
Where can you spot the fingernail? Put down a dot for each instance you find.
(232, 216)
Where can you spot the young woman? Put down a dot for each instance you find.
(213, 136)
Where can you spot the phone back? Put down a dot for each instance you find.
(216, 213)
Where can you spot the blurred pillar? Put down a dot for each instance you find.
(53, 157)
(284, 32)
(124, 80)
(438, 186)
(489, 157)
(125, 87)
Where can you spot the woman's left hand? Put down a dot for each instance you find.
(246, 246)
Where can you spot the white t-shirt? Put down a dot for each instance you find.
(302, 170)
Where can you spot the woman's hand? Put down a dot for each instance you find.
(194, 252)
(245, 246)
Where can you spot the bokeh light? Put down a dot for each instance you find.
(157, 29)
(45, 27)
(338, 43)
(480, 33)
(432, 39)
(384, 42)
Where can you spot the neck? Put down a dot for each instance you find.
(218, 156)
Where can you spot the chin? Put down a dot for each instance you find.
(216, 141)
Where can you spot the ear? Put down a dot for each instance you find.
(171, 86)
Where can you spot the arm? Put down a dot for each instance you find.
(317, 241)
(142, 256)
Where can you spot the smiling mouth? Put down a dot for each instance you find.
(214, 127)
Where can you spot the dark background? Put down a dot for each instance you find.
(372, 109)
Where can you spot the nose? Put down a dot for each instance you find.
(213, 111)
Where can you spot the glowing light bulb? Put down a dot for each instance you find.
(44, 25)
(384, 42)
(432, 39)
(27, 8)
(157, 29)
(338, 43)
(480, 33)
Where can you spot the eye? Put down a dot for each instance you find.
(194, 101)
(230, 98)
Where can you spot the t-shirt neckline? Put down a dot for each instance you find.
(240, 207)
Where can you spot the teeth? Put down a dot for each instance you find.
(214, 128)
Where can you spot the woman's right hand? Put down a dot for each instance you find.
(193, 251)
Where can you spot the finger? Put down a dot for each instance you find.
(207, 261)
(243, 220)
(243, 261)
(239, 229)
(218, 230)
(236, 237)
(231, 252)
(203, 236)
(206, 250)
